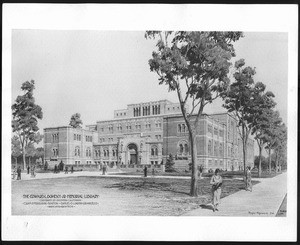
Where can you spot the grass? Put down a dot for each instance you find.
(225, 174)
(120, 196)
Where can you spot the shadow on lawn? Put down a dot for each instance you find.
(146, 185)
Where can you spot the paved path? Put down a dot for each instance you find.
(264, 200)
(112, 173)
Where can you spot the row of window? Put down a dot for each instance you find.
(88, 138)
(77, 137)
(146, 110)
(215, 149)
(55, 137)
(215, 130)
(129, 126)
(182, 128)
(121, 114)
(158, 137)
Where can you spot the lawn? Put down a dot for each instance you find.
(225, 174)
(117, 196)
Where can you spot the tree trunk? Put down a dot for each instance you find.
(194, 177)
(259, 165)
(276, 163)
(24, 158)
(270, 162)
(244, 159)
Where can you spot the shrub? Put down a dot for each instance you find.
(170, 164)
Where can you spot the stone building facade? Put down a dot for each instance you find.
(146, 133)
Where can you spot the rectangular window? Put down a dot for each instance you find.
(74, 136)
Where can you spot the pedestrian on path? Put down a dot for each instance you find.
(19, 173)
(72, 169)
(32, 172)
(216, 182)
(145, 171)
(104, 169)
(66, 170)
(153, 172)
(55, 168)
(248, 179)
(14, 172)
(28, 169)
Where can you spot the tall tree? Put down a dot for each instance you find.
(25, 117)
(16, 150)
(270, 135)
(238, 102)
(195, 65)
(75, 121)
(279, 146)
(262, 106)
(30, 152)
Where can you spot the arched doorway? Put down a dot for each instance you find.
(132, 153)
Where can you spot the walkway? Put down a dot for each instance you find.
(112, 173)
(264, 200)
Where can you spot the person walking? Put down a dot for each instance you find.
(216, 182)
(28, 169)
(72, 169)
(145, 171)
(19, 173)
(153, 172)
(248, 180)
(103, 169)
(14, 172)
(66, 170)
(55, 168)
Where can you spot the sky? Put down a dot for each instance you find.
(96, 72)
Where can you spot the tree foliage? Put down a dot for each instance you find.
(195, 65)
(25, 117)
(262, 109)
(75, 121)
(238, 100)
(16, 149)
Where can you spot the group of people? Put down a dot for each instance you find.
(17, 172)
(216, 182)
(146, 171)
(58, 168)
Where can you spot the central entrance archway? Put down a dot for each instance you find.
(132, 153)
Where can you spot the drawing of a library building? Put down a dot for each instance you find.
(146, 134)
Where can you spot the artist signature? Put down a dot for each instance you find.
(261, 213)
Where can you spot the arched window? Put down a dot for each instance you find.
(179, 128)
(77, 151)
(154, 150)
(186, 149)
(180, 148)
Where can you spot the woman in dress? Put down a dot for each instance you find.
(216, 182)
